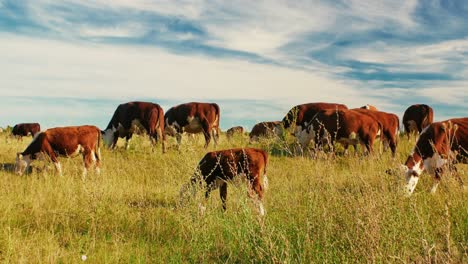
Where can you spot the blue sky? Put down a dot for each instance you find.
(72, 62)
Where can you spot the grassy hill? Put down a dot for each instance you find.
(326, 209)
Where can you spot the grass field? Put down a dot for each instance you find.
(324, 210)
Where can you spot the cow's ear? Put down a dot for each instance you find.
(19, 155)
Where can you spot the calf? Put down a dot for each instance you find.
(390, 126)
(216, 168)
(437, 144)
(345, 126)
(234, 130)
(132, 116)
(63, 141)
(193, 118)
(416, 118)
(264, 129)
(25, 129)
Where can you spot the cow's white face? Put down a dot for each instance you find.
(108, 136)
(412, 175)
(22, 163)
(305, 137)
(170, 129)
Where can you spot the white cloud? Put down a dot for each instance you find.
(33, 67)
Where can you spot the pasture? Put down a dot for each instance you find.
(326, 209)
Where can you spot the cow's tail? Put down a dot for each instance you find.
(265, 178)
(218, 117)
(97, 148)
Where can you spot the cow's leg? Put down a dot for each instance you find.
(223, 194)
(160, 135)
(114, 141)
(206, 131)
(215, 135)
(127, 140)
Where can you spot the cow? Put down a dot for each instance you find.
(234, 130)
(416, 118)
(299, 114)
(264, 129)
(437, 145)
(217, 168)
(25, 129)
(63, 141)
(369, 107)
(345, 126)
(130, 117)
(390, 126)
(193, 117)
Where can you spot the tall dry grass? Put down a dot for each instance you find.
(323, 210)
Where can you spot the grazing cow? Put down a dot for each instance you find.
(193, 118)
(390, 126)
(63, 141)
(299, 114)
(369, 107)
(24, 129)
(437, 145)
(416, 118)
(234, 130)
(345, 126)
(216, 168)
(133, 116)
(264, 129)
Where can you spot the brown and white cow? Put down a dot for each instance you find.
(217, 168)
(63, 141)
(25, 129)
(299, 114)
(264, 129)
(234, 130)
(347, 127)
(133, 116)
(194, 118)
(437, 145)
(369, 107)
(390, 126)
(416, 118)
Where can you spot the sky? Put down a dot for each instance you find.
(72, 62)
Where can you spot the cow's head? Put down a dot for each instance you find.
(108, 136)
(413, 167)
(22, 163)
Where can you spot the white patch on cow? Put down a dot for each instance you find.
(378, 133)
(77, 151)
(411, 183)
(431, 164)
(108, 136)
(305, 138)
(265, 182)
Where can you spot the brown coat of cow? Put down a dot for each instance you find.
(24, 129)
(217, 168)
(234, 130)
(299, 114)
(390, 126)
(129, 117)
(194, 118)
(436, 146)
(263, 129)
(416, 118)
(63, 141)
(345, 126)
